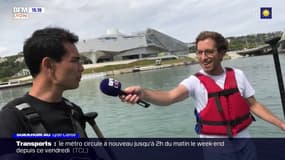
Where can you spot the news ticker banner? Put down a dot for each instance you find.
(133, 148)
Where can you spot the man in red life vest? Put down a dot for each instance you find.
(224, 99)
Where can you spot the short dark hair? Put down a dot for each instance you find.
(47, 42)
(221, 43)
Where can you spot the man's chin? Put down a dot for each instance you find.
(207, 69)
(73, 86)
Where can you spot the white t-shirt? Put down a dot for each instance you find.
(200, 95)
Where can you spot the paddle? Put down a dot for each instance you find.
(274, 43)
(90, 118)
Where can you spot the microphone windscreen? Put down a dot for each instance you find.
(110, 87)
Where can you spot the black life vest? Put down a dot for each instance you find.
(35, 122)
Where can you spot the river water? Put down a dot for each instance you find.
(117, 119)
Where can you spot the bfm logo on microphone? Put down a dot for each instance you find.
(114, 83)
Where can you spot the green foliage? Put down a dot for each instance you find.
(250, 41)
(10, 67)
(138, 63)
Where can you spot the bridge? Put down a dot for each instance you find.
(264, 49)
(260, 50)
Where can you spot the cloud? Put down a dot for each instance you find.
(3, 51)
(182, 19)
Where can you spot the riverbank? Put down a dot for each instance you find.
(130, 66)
(15, 84)
(152, 66)
(145, 68)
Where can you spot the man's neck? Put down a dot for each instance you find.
(217, 73)
(45, 91)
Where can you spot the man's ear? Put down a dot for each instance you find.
(48, 64)
(222, 53)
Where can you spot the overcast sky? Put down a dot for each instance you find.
(181, 19)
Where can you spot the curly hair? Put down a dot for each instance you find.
(221, 43)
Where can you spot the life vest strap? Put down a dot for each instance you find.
(231, 123)
(225, 92)
(33, 117)
(75, 123)
(218, 104)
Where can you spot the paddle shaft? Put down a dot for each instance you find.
(101, 137)
(273, 43)
(96, 129)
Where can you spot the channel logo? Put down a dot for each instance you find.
(266, 13)
(23, 12)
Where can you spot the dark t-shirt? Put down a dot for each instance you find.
(56, 117)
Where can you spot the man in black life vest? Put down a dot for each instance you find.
(54, 63)
(224, 99)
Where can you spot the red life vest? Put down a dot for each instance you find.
(226, 112)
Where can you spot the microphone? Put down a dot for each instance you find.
(112, 87)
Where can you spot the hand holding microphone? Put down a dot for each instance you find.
(112, 87)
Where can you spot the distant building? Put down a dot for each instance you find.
(21, 73)
(115, 46)
(20, 59)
